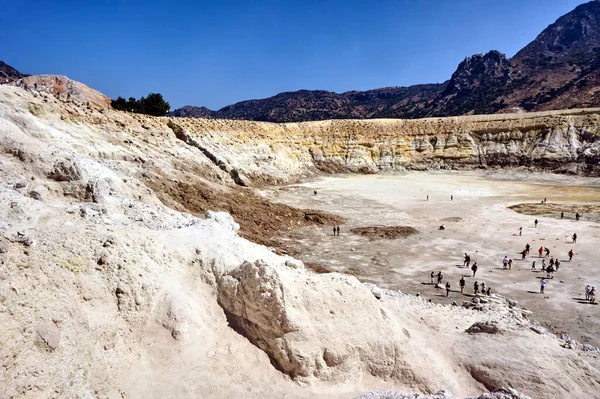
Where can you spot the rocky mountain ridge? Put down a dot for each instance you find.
(559, 69)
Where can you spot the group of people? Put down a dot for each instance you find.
(590, 293)
(577, 215)
(543, 253)
(477, 288)
(23, 85)
(440, 278)
(437, 280)
(467, 262)
(550, 268)
(507, 263)
(336, 230)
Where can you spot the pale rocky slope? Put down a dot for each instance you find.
(108, 288)
(562, 141)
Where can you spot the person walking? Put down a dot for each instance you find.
(541, 251)
(562, 215)
(476, 287)
(523, 254)
(542, 286)
(432, 277)
(533, 266)
(474, 268)
(447, 288)
(570, 255)
(461, 284)
(527, 248)
(440, 277)
(504, 263)
(557, 264)
(334, 230)
(574, 238)
(543, 265)
(547, 252)
(535, 222)
(510, 261)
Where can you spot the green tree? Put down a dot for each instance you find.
(119, 104)
(154, 104)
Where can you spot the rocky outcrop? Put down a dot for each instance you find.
(68, 89)
(476, 86)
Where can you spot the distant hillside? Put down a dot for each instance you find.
(559, 69)
(319, 104)
(10, 73)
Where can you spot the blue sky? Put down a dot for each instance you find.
(220, 52)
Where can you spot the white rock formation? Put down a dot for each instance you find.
(107, 289)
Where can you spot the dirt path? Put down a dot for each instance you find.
(477, 221)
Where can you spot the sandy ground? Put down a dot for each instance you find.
(477, 221)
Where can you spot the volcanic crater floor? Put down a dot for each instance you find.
(478, 221)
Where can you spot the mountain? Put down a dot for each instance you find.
(476, 86)
(319, 104)
(559, 69)
(190, 111)
(10, 73)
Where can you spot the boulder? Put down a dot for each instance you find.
(224, 219)
(47, 336)
(4, 245)
(483, 327)
(305, 323)
(66, 170)
(39, 192)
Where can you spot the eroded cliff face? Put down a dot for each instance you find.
(252, 153)
(565, 142)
